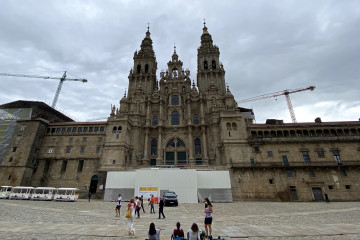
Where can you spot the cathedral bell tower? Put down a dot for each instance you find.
(143, 74)
(209, 68)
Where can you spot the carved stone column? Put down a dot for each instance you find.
(159, 159)
(206, 158)
(146, 146)
(191, 146)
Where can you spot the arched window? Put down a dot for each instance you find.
(114, 128)
(180, 143)
(196, 119)
(234, 127)
(213, 64)
(138, 68)
(155, 121)
(228, 126)
(171, 143)
(146, 68)
(119, 128)
(175, 120)
(205, 64)
(153, 147)
(197, 146)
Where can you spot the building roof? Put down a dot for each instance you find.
(40, 109)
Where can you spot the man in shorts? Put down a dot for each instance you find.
(118, 206)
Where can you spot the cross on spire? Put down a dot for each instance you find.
(148, 26)
(204, 22)
(174, 48)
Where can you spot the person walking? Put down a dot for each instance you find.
(161, 208)
(152, 200)
(89, 195)
(118, 206)
(142, 203)
(131, 206)
(208, 217)
(326, 198)
(137, 209)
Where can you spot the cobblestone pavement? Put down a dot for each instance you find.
(22, 219)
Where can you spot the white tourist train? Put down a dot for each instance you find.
(43, 193)
(21, 192)
(66, 194)
(39, 193)
(5, 191)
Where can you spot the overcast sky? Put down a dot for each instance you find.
(265, 46)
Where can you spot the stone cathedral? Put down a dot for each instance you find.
(173, 121)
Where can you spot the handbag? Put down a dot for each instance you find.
(128, 213)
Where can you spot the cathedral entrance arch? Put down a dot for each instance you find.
(93, 184)
(175, 152)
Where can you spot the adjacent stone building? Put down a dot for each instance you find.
(173, 122)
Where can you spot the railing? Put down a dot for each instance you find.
(333, 163)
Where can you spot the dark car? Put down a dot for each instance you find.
(170, 198)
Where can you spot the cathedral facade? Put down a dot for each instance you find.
(171, 122)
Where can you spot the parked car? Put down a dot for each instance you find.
(170, 198)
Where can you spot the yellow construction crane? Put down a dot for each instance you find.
(279, 93)
(62, 79)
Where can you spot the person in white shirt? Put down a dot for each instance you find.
(118, 206)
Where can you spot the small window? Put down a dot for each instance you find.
(80, 166)
(96, 129)
(285, 161)
(98, 149)
(70, 140)
(252, 162)
(196, 119)
(289, 173)
(256, 148)
(234, 126)
(68, 129)
(271, 181)
(336, 155)
(63, 166)
(14, 149)
(22, 128)
(85, 129)
(9, 177)
(228, 126)
(347, 186)
(306, 156)
(320, 153)
(74, 129)
(175, 100)
(331, 187)
(343, 172)
(138, 68)
(50, 150)
(84, 139)
(175, 120)
(68, 149)
(79, 129)
(114, 162)
(63, 130)
(205, 65)
(91, 129)
(117, 136)
(269, 153)
(146, 68)
(58, 130)
(11, 159)
(82, 149)
(99, 139)
(102, 129)
(155, 121)
(311, 173)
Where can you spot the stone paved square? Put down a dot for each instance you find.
(21, 219)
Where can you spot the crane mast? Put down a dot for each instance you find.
(286, 93)
(62, 79)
